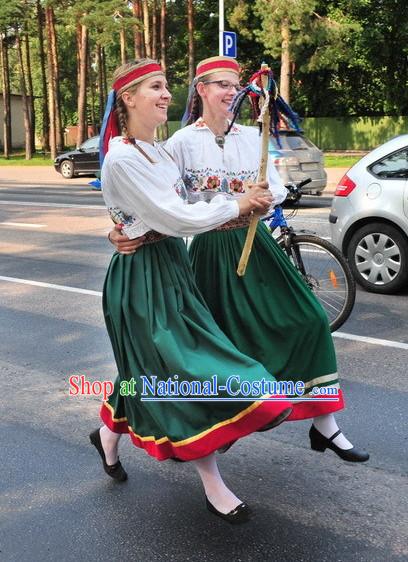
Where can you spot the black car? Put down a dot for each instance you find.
(83, 160)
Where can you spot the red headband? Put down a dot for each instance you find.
(216, 64)
(135, 74)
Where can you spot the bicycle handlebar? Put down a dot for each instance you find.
(295, 188)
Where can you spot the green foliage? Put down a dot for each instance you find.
(349, 57)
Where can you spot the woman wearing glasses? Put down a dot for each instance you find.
(269, 313)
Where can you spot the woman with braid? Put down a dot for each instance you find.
(160, 327)
(269, 313)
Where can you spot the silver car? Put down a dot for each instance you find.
(369, 217)
(297, 159)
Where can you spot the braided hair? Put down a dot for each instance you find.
(121, 109)
(195, 105)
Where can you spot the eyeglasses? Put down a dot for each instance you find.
(225, 85)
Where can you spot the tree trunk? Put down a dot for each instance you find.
(52, 46)
(154, 30)
(163, 35)
(146, 28)
(190, 18)
(101, 91)
(83, 79)
(78, 37)
(5, 74)
(104, 81)
(92, 91)
(30, 92)
(165, 127)
(51, 87)
(26, 108)
(122, 35)
(45, 141)
(137, 35)
(285, 74)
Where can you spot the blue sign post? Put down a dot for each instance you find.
(229, 44)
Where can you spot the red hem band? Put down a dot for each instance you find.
(313, 409)
(208, 443)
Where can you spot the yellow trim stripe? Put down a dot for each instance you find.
(320, 380)
(335, 385)
(236, 418)
(112, 411)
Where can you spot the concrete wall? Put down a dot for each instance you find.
(17, 122)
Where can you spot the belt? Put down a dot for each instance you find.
(152, 236)
(240, 222)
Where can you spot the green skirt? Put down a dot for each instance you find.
(269, 314)
(162, 333)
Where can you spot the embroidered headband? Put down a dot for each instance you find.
(204, 67)
(137, 75)
(110, 124)
(216, 64)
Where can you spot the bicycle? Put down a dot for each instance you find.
(321, 265)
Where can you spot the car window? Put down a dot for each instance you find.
(292, 142)
(90, 144)
(392, 166)
(298, 143)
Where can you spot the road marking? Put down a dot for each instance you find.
(341, 335)
(50, 286)
(58, 205)
(305, 210)
(308, 220)
(373, 341)
(23, 224)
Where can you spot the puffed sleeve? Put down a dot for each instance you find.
(140, 191)
(276, 186)
(175, 147)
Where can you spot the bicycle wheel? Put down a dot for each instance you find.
(327, 273)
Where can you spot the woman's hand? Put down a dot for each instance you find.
(261, 184)
(122, 243)
(257, 199)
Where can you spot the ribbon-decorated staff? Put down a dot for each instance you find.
(270, 110)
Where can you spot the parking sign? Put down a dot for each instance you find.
(229, 44)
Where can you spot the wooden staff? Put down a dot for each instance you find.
(263, 165)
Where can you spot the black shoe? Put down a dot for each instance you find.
(319, 442)
(115, 471)
(241, 514)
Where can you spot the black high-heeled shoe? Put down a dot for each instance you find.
(115, 471)
(319, 442)
(241, 514)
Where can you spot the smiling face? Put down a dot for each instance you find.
(148, 101)
(219, 91)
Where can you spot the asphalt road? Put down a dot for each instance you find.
(57, 504)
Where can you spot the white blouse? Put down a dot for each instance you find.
(208, 170)
(150, 195)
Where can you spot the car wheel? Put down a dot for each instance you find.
(67, 169)
(378, 257)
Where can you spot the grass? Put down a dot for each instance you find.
(18, 159)
(339, 161)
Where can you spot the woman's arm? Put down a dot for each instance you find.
(141, 192)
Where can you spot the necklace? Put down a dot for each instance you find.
(220, 140)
